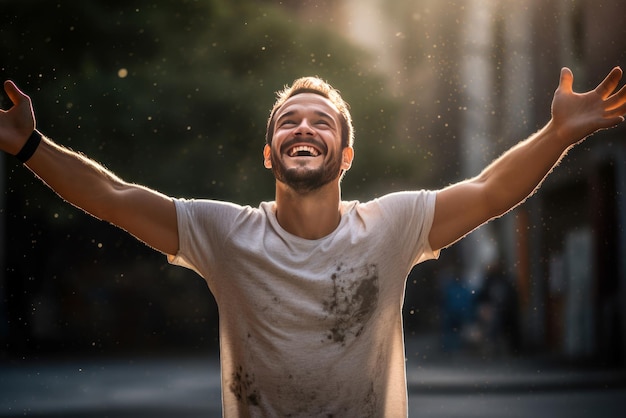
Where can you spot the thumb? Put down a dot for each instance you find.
(14, 93)
(566, 82)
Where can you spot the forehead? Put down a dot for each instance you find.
(303, 102)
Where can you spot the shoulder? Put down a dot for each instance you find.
(398, 209)
(207, 210)
(422, 200)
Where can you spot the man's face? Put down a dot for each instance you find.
(306, 152)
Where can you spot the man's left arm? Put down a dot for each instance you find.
(510, 179)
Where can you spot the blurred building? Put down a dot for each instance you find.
(477, 76)
(574, 273)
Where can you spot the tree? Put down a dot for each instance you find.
(171, 95)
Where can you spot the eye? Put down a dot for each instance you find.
(324, 124)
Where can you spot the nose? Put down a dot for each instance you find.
(304, 128)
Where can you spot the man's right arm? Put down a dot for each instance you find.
(148, 215)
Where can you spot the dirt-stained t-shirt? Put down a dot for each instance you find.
(309, 327)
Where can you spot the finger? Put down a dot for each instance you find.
(616, 100)
(615, 105)
(610, 82)
(611, 122)
(13, 92)
(619, 111)
(566, 82)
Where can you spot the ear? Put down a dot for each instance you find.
(348, 156)
(267, 160)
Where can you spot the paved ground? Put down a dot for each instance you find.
(457, 386)
(168, 387)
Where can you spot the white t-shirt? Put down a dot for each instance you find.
(309, 327)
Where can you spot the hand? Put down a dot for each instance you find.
(577, 115)
(17, 123)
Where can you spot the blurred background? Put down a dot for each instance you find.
(175, 95)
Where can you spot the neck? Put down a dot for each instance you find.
(311, 215)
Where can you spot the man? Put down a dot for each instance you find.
(310, 287)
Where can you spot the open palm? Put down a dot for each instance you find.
(580, 114)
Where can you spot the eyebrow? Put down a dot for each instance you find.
(317, 112)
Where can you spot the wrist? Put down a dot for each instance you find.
(561, 135)
(30, 146)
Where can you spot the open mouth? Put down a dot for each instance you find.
(303, 151)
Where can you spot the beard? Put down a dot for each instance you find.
(304, 179)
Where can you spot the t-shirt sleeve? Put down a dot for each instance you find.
(410, 216)
(202, 226)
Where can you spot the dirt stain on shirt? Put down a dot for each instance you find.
(352, 302)
(242, 385)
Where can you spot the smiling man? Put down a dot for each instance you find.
(303, 152)
(310, 287)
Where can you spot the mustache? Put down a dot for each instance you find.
(308, 141)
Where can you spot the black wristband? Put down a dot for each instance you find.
(29, 147)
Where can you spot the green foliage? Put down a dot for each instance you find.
(173, 95)
(198, 79)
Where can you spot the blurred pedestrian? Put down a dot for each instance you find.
(457, 311)
(497, 315)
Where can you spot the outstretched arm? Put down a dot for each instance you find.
(148, 215)
(509, 180)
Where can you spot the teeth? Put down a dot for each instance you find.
(303, 149)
